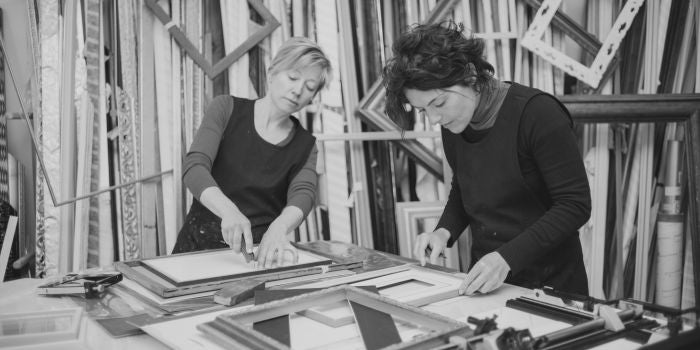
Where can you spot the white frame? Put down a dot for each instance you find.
(589, 75)
(441, 286)
(219, 263)
(235, 329)
(407, 216)
(35, 338)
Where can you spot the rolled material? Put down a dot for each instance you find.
(669, 245)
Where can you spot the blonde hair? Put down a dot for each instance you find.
(301, 52)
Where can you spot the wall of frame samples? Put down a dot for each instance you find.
(100, 99)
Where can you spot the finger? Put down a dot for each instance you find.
(462, 287)
(419, 247)
(272, 258)
(295, 254)
(280, 257)
(236, 239)
(226, 236)
(476, 284)
(262, 258)
(435, 254)
(489, 285)
(248, 236)
(473, 273)
(267, 257)
(261, 254)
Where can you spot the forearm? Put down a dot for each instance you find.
(217, 202)
(290, 218)
(453, 219)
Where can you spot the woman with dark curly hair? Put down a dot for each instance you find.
(519, 182)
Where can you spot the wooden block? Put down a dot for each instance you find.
(612, 319)
(236, 292)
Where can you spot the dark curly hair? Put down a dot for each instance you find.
(432, 56)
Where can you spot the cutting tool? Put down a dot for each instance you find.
(248, 256)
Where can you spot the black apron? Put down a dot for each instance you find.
(500, 205)
(252, 173)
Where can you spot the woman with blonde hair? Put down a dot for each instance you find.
(252, 166)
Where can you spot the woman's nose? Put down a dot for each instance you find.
(297, 89)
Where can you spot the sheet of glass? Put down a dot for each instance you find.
(191, 267)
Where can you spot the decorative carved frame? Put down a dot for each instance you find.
(36, 148)
(371, 105)
(590, 75)
(683, 108)
(236, 329)
(213, 70)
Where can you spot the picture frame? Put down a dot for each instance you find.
(408, 219)
(592, 74)
(41, 327)
(681, 108)
(212, 70)
(149, 272)
(235, 330)
(416, 286)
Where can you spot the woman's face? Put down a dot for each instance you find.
(452, 107)
(293, 89)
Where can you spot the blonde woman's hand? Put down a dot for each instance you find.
(234, 227)
(273, 247)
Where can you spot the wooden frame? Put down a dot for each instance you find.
(407, 216)
(590, 75)
(573, 30)
(36, 147)
(213, 70)
(650, 109)
(235, 330)
(434, 286)
(370, 107)
(40, 327)
(162, 285)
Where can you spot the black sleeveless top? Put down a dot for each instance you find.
(253, 173)
(500, 205)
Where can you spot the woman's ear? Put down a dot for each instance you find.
(471, 74)
(471, 68)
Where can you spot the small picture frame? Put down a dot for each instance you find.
(40, 327)
(416, 287)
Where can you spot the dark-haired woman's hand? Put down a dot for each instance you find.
(432, 245)
(486, 275)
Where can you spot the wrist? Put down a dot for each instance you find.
(279, 227)
(443, 233)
